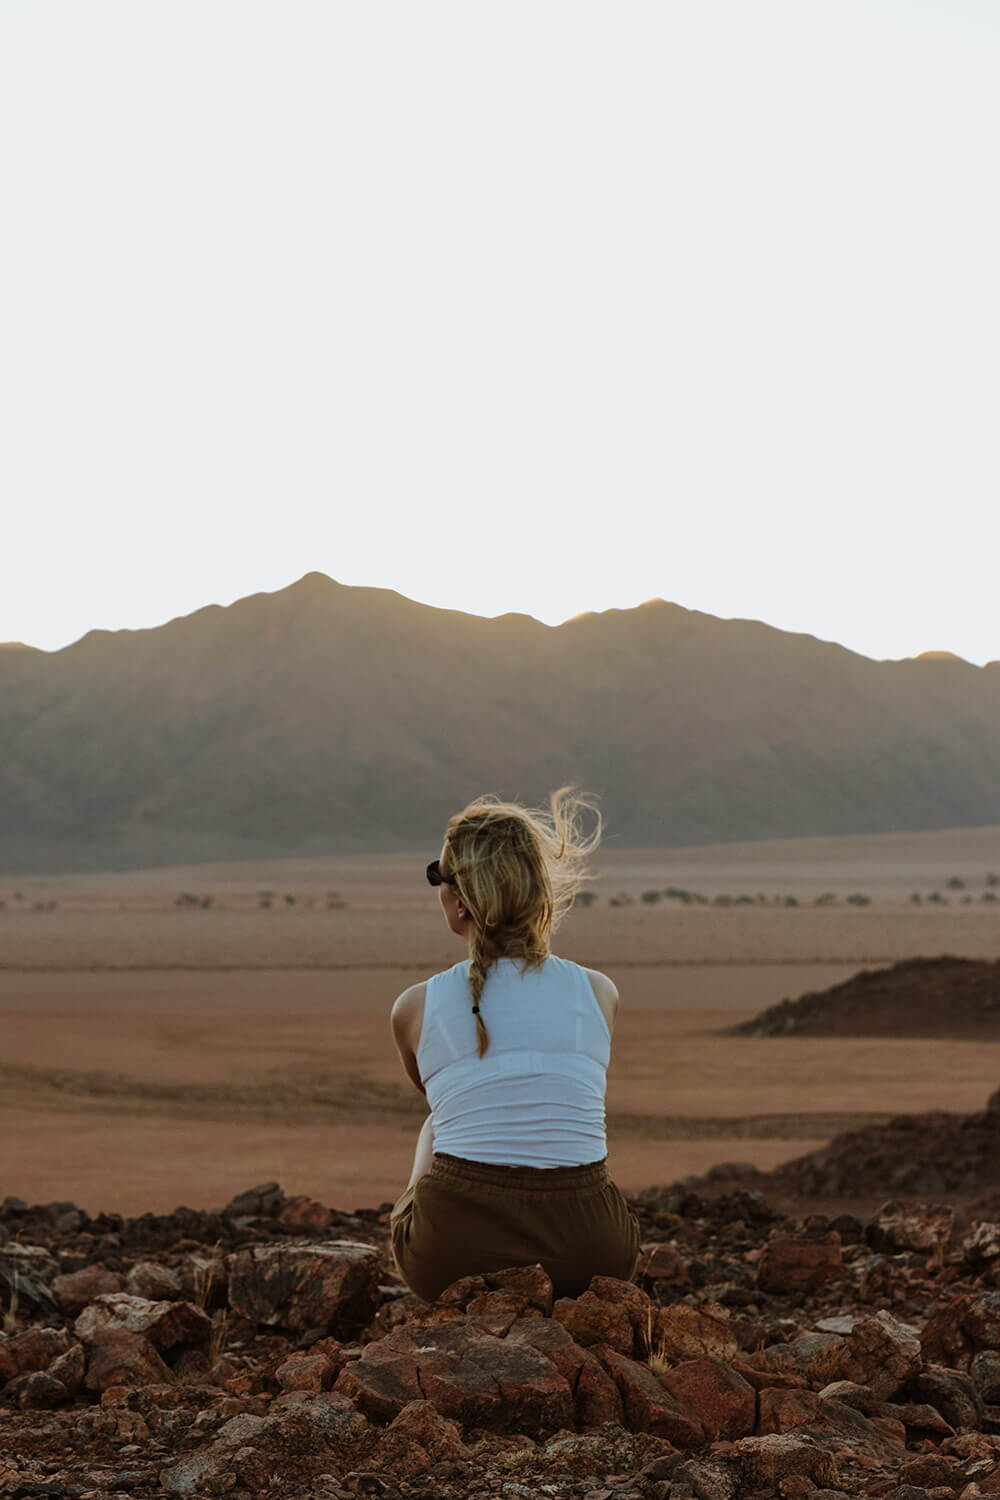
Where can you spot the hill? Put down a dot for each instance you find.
(330, 719)
(919, 997)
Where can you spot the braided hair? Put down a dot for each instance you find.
(517, 870)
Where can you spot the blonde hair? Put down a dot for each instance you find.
(517, 870)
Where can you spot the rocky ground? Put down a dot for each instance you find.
(270, 1349)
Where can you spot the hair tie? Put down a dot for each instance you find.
(475, 1010)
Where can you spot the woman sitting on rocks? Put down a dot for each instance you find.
(511, 1048)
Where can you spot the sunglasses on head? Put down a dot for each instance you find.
(435, 875)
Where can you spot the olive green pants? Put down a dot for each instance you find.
(462, 1218)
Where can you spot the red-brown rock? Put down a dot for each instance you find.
(147, 1278)
(473, 1377)
(663, 1266)
(34, 1349)
(76, 1288)
(497, 1311)
(681, 1332)
(881, 1353)
(305, 1372)
(42, 1389)
(384, 1379)
(530, 1282)
(419, 1437)
(302, 1213)
(789, 1264)
(723, 1401)
(117, 1356)
(163, 1323)
(592, 1321)
(784, 1411)
(296, 1285)
(648, 1407)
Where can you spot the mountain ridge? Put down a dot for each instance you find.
(326, 717)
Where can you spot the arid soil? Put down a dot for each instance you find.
(158, 1050)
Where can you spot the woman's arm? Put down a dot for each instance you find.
(403, 1017)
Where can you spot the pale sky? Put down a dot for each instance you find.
(534, 306)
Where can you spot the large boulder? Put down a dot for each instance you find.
(466, 1373)
(331, 1285)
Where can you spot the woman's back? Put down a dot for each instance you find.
(536, 1098)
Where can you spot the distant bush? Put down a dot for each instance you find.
(955, 884)
(336, 903)
(265, 901)
(827, 899)
(585, 898)
(265, 893)
(188, 898)
(290, 900)
(937, 897)
(916, 898)
(723, 901)
(857, 899)
(966, 900)
(791, 901)
(650, 896)
(993, 879)
(745, 901)
(622, 899)
(989, 896)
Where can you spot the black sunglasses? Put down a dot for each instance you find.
(435, 876)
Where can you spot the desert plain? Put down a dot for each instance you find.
(173, 1036)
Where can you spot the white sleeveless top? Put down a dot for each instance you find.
(536, 1099)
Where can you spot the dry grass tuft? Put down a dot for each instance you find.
(203, 1277)
(10, 1315)
(656, 1356)
(825, 1366)
(219, 1336)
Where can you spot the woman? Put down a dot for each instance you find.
(511, 1048)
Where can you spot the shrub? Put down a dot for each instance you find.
(650, 896)
(264, 901)
(989, 896)
(857, 899)
(585, 898)
(791, 901)
(290, 900)
(955, 884)
(916, 898)
(937, 897)
(827, 899)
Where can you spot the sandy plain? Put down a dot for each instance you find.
(174, 1036)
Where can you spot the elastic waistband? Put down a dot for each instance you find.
(521, 1179)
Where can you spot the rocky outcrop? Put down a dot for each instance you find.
(751, 1356)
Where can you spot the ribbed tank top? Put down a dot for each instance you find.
(536, 1099)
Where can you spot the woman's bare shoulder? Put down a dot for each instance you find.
(603, 986)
